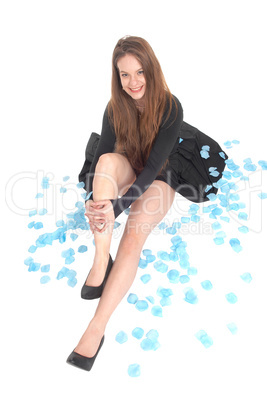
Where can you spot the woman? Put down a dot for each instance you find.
(145, 154)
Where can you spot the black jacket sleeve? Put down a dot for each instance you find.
(163, 145)
(106, 144)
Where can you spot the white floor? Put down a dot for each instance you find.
(45, 131)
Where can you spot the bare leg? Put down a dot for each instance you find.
(106, 185)
(152, 206)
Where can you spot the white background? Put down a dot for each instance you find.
(55, 84)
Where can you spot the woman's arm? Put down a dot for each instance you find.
(164, 143)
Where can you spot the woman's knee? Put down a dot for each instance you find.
(106, 162)
(118, 167)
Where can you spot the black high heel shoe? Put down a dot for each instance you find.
(82, 362)
(94, 292)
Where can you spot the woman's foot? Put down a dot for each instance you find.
(98, 271)
(90, 341)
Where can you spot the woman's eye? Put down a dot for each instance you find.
(124, 75)
(141, 72)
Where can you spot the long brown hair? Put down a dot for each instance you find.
(135, 133)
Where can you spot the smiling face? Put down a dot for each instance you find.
(132, 76)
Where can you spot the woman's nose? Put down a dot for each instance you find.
(133, 81)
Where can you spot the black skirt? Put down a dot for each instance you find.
(191, 170)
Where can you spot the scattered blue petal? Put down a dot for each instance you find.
(72, 282)
(231, 298)
(192, 271)
(195, 218)
(145, 278)
(147, 252)
(162, 225)
(164, 292)
(225, 218)
(165, 301)
(60, 223)
(235, 244)
(214, 173)
(67, 253)
(218, 241)
(185, 219)
(173, 276)
(69, 260)
(156, 311)
(172, 230)
(39, 195)
(45, 279)
(152, 334)
(227, 143)
(134, 370)
(222, 155)
(34, 267)
(216, 226)
(73, 236)
(243, 229)
(149, 344)
(121, 337)
(62, 273)
(231, 165)
(38, 225)
(28, 261)
(227, 174)
(262, 195)
(32, 213)
(150, 258)
(160, 266)
(203, 337)
(246, 277)
(91, 192)
(184, 279)
(263, 164)
(207, 285)
(250, 167)
(45, 268)
(173, 256)
(204, 154)
(150, 299)
(163, 255)
(32, 249)
(146, 344)
(66, 178)
(232, 328)
(138, 333)
(206, 147)
(141, 305)
(82, 249)
(45, 183)
(190, 296)
(132, 298)
(142, 263)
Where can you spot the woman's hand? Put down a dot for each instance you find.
(100, 215)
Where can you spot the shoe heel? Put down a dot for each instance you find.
(83, 362)
(94, 292)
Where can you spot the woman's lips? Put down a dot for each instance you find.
(137, 89)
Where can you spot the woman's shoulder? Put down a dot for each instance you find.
(173, 110)
(175, 100)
